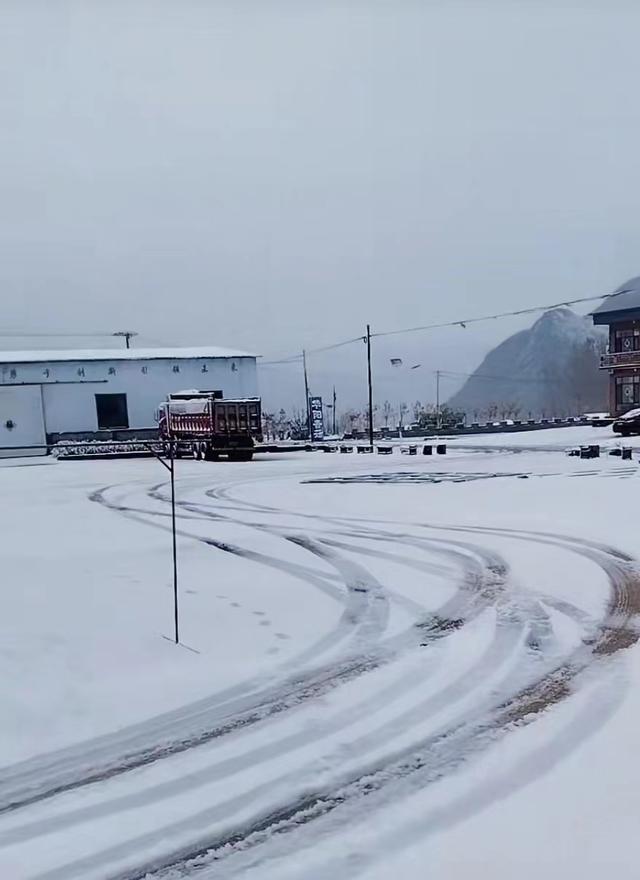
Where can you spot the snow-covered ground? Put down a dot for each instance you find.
(390, 666)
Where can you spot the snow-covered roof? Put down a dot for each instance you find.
(119, 354)
(625, 299)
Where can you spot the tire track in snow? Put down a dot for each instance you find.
(222, 811)
(605, 644)
(171, 733)
(439, 754)
(508, 632)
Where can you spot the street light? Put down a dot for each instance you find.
(398, 363)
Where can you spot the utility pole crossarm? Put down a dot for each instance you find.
(128, 336)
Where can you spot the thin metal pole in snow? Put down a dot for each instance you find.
(438, 419)
(171, 468)
(175, 547)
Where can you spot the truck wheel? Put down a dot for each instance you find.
(241, 455)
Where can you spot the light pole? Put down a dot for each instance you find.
(334, 410)
(397, 363)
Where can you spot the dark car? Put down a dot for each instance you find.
(628, 424)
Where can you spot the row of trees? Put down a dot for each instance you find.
(282, 426)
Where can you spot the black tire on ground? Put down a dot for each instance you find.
(241, 455)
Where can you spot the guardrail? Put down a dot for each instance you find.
(619, 359)
(506, 426)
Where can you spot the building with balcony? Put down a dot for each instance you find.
(621, 313)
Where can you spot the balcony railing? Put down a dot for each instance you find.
(620, 359)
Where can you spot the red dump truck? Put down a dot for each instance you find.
(206, 427)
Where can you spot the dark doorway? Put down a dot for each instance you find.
(112, 411)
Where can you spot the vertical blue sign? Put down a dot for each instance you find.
(317, 418)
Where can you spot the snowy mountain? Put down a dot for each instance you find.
(550, 369)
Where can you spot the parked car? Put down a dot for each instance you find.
(598, 420)
(628, 424)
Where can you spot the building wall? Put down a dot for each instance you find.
(619, 401)
(21, 421)
(624, 390)
(69, 388)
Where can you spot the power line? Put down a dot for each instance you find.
(517, 312)
(297, 358)
(520, 380)
(441, 325)
(292, 359)
(20, 335)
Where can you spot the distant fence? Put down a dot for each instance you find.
(504, 427)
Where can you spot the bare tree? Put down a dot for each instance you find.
(387, 410)
(298, 425)
(352, 417)
(267, 425)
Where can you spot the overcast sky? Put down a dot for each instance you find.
(273, 175)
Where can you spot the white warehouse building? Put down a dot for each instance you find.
(47, 396)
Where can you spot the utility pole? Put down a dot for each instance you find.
(334, 410)
(368, 341)
(306, 393)
(128, 335)
(438, 419)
